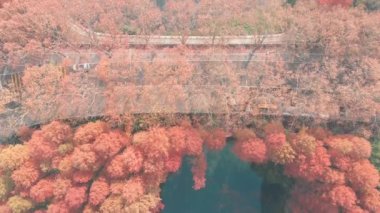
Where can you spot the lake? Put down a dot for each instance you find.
(231, 186)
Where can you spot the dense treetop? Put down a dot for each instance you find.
(329, 58)
(103, 167)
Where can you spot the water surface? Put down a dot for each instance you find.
(231, 186)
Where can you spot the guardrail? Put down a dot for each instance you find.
(165, 40)
(275, 39)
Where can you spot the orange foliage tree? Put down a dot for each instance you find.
(330, 174)
(97, 167)
(94, 166)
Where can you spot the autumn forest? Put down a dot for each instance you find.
(102, 103)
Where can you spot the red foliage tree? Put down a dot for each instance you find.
(309, 167)
(89, 132)
(154, 143)
(348, 146)
(215, 139)
(371, 200)
(177, 137)
(59, 207)
(42, 191)
(361, 148)
(130, 161)
(133, 160)
(308, 197)
(275, 140)
(133, 189)
(253, 150)
(333, 176)
(84, 158)
(40, 148)
(26, 175)
(107, 145)
(98, 192)
(199, 172)
(75, 197)
(363, 176)
(57, 132)
(82, 176)
(101, 169)
(342, 196)
(194, 143)
(116, 169)
(173, 164)
(244, 134)
(61, 186)
(316, 197)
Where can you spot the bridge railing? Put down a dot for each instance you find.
(172, 40)
(275, 39)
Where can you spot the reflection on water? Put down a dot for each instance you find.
(231, 187)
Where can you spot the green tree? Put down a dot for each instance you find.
(291, 2)
(375, 157)
(371, 5)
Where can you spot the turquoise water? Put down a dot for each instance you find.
(232, 186)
